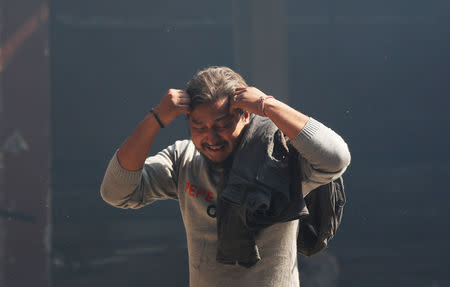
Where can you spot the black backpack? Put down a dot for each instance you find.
(325, 206)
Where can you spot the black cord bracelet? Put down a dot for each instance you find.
(157, 118)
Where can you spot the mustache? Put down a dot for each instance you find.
(204, 145)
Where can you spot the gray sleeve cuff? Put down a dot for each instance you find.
(323, 149)
(306, 134)
(121, 174)
(118, 183)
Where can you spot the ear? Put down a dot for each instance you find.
(246, 116)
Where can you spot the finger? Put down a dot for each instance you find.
(184, 95)
(184, 100)
(184, 108)
(234, 104)
(235, 99)
(183, 103)
(239, 91)
(239, 97)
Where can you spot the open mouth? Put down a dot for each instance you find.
(215, 148)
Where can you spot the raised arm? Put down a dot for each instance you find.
(325, 155)
(287, 119)
(126, 184)
(134, 150)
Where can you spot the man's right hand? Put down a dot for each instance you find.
(171, 105)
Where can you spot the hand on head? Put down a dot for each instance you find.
(247, 99)
(173, 103)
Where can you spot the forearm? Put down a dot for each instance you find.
(287, 119)
(325, 155)
(319, 145)
(134, 150)
(135, 188)
(323, 149)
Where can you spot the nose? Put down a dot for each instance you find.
(213, 137)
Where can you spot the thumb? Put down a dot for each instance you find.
(233, 102)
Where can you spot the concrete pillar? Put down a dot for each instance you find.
(261, 44)
(24, 144)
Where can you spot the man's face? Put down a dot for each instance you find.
(214, 130)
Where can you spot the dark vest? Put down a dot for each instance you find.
(264, 188)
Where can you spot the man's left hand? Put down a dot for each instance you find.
(249, 99)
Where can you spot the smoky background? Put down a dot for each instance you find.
(77, 77)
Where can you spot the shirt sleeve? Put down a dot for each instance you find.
(157, 180)
(324, 155)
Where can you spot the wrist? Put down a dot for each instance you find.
(165, 114)
(154, 113)
(263, 101)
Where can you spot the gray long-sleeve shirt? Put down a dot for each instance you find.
(180, 172)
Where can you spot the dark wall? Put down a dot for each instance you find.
(378, 73)
(111, 63)
(24, 144)
(375, 71)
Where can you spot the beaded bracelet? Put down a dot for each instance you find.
(261, 103)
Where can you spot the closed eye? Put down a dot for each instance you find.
(199, 128)
(223, 126)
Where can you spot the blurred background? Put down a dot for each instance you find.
(76, 77)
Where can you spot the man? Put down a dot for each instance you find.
(220, 106)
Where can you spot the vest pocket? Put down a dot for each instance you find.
(274, 174)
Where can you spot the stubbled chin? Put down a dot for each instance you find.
(216, 157)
